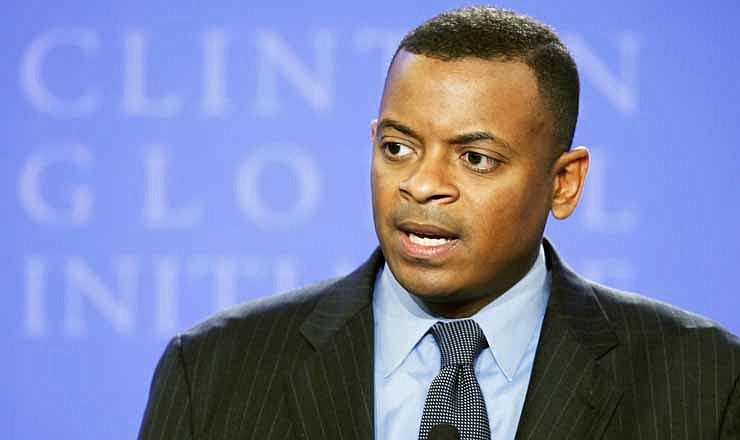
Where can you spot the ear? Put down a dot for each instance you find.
(373, 129)
(570, 174)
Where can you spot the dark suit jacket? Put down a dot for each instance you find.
(609, 365)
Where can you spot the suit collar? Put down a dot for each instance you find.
(571, 300)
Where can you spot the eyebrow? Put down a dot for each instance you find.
(398, 126)
(461, 139)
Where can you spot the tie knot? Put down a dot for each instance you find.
(459, 342)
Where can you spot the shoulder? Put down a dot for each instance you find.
(255, 323)
(297, 301)
(642, 318)
(663, 348)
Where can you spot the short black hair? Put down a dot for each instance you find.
(504, 35)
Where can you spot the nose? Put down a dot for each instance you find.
(430, 181)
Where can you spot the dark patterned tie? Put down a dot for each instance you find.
(455, 398)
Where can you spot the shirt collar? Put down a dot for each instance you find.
(509, 322)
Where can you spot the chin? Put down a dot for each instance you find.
(427, 286)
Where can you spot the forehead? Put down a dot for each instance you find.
(448, 96)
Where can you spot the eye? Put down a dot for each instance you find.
(480, 162)
(395, 150)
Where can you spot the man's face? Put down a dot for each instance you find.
(461, 176)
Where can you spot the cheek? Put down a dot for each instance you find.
(382, 189)
(375, 178)
(382, 177)
(503, 213)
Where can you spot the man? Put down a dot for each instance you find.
(471, 152)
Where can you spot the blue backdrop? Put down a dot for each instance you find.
(163, 161)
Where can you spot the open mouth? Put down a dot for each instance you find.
(428, 246)
(427, 240)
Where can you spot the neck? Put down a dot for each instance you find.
(462, 309)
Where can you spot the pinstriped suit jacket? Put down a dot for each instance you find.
(609, 365)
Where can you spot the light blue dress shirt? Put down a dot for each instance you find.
(407, 359)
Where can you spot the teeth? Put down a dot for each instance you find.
(427, 241)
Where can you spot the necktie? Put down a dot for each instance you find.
(455, 398)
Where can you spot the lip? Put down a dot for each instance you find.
(426, 229)
(427, 253)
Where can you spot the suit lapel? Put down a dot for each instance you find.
(332, 390)
(572, 393)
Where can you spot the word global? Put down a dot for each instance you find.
(158, 211)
